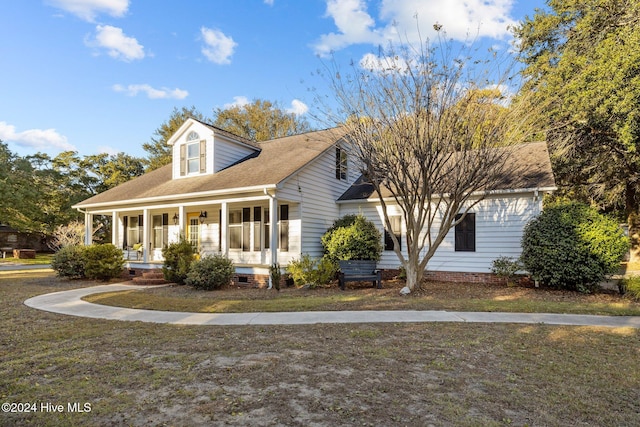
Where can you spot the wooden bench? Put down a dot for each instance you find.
(24, 253)
(359, 271)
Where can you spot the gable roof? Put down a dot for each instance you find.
(527, 167)
(231, 136)
(275, 162)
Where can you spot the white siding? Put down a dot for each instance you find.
(500, 223)
(317, 189)
(226, 153)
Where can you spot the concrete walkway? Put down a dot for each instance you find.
(70, 303)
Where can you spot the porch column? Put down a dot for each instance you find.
(273, 220)
(224, 224)
(145, 236)
(115, 227)
(88, 228)
(182, 218)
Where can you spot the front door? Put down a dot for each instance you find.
(193, 229)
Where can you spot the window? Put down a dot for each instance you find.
(284, 227)
(134, 230)
(235, 229)
(267, 229)
(396, 230)
(465, 233)
(160, 230)
(257, 227)
(246, 229)
(341, 164)
(192, 155)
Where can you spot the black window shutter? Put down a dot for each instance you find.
(465, 233)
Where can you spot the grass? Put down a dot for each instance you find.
(40, 259)
(434, 296)
(135, 373)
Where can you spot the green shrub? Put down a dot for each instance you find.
(572, 246)
(69, 262)
(210, 272)
(506, 267)
(103, 262)
(631, 286)
(178, 258)
(352, 237)
(313, 272)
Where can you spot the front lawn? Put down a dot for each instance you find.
(432, 296)
(451, 374)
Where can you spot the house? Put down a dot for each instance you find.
(268, 202)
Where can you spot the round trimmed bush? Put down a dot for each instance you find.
(178, 258)
(572, 246)
(352, 237)
(69, 262)
(210, 272)
(103, 262)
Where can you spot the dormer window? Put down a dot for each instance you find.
(192, 155)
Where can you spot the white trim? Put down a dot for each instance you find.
(203, 194)
(474, 194)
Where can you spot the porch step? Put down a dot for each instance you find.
(150, 278)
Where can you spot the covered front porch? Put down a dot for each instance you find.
(253, 231)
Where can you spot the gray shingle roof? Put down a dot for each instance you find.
(276, 160)
(527, 166)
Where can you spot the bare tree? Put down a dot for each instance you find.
(432, 134)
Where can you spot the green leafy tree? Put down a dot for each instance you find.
(582, 62)
(259, 121)
(158, 149)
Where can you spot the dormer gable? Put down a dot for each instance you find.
(201, 149)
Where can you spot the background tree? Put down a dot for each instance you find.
(582, 62)
(158, 149)
(259, 121)
(425, 138)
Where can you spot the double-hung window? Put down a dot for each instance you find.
(396, 230)
(192, 155)
(341, 164)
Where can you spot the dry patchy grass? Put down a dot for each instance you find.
(389, 374)
(432, 296)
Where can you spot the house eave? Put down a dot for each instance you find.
(474, 194)
(181, 197)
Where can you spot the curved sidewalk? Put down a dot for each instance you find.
(71, 303)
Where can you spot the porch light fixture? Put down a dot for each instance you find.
(175, 219)
(202, 216)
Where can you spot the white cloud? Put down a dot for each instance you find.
(413, 20)
(269, 2)
(38, 139)
(118, 45)
(354, 24)
(152, 93)
(298, 107)
(238, 101)
(218, 47)
(89, 9)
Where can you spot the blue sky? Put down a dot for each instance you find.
(101, 75)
